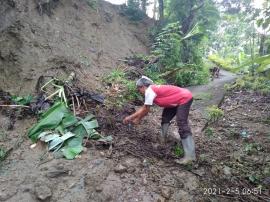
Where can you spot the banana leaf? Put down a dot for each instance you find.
(49, 120)
(56, 143)
(69, 120)
(73, 147)
(79, 131)
(71, 152)
(85, 128)
(263, 61)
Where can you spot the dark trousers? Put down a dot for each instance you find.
(181, 112)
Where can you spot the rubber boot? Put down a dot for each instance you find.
(189, 149)
(164, 132)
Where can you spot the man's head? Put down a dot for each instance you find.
(143, 83)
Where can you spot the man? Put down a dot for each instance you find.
(176, 101)
(214, 72)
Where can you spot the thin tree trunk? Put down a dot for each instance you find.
(262, 45)
(143, 3)
(188, 22)
(155, 9)
(161, 10)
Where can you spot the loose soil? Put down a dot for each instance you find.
(231, 154)
(64, 36)
(138, 168)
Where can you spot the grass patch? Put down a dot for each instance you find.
(203, 96)
(259, 84)
(214, 113)
(3, 153)
(178, 151)
(3, 134)
(209, 132)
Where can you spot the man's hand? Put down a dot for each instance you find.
(127, 120)
(138, 115)
(136, 121)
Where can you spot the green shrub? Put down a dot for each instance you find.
(180, 59)
(3, 154)
(178, 151)
(226, 64)
(122, 90)
(214, 113)
(133, 11)
(92, 3)
(209, 132)
(255, 83)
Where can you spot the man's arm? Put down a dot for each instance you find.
(138, 115)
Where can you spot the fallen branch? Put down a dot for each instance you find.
(24, 106)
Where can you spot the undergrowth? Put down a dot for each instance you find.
(258, 84)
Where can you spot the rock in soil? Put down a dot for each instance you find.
(43, 192)
(120, 169)
(166, 192)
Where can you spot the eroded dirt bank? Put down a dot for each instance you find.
(53, 40)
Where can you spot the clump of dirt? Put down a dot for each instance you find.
(53, 38)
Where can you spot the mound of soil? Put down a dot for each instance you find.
(55, 37)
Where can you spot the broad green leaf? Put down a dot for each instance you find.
(49, 138)
(71, 152)
(106, 139)
(22, 100)
(50, 120)
(89, 126)
(75, 141)
(87, 118)
(55, 142)
(58, 106)
(265, 67)
(60, 129)
(79, 131)
(69, 120)
(94, 135)
(67, 136)
(43, 134)
(73, 147)
(262, 60)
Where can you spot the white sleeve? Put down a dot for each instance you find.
(149, 96)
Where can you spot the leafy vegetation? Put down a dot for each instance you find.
(174, 65)
(62, 130)
(92, 3)
(259, 84)
(121, 91)
(209, 132)
(214, 113)
(224, 64)
(178, 151)
(133, 11)
(22, 100)
(3, 154)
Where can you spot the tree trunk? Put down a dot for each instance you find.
(161, 10)
(143, 4)
(262, 50)
(188, 22)
(155, 9)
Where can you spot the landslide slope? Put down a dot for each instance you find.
(60, 36)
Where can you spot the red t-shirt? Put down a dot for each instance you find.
(170, 96)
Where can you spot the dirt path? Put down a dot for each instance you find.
(212, 93)
(137, 169)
